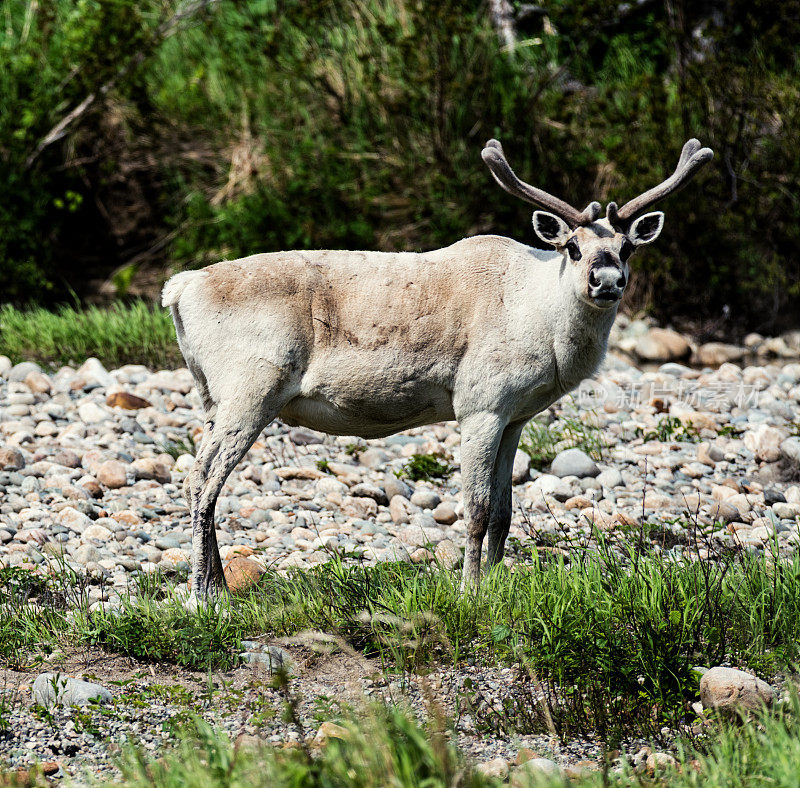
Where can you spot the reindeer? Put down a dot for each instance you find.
(487, 331)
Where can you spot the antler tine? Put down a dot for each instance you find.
(591, 212)
(690, 147)
(692, 158)
(495, 160)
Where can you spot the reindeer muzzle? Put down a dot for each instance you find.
(606, 284)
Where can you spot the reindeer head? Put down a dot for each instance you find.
(596, 251)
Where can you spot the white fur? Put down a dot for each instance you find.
(543, 221)
(486, 331)
(636, 234)
(174, 287)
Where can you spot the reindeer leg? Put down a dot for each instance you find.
(236, 426)
(481, 434)
(500, 519)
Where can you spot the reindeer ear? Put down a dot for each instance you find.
(550, 228)
(646, 228)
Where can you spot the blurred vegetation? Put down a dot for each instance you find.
(168, 133)
(132, 334)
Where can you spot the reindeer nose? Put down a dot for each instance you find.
(606, 284)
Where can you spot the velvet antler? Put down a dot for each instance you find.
(495, 160)
(693, 157)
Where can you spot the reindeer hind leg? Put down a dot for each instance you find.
(236, 425)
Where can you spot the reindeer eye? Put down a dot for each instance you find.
(573, 249)
(626, 251)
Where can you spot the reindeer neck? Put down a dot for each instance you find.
(580, 339)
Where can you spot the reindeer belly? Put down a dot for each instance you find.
(371, 399)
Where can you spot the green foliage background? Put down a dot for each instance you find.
(259, 125)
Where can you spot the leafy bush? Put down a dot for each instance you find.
(58, 178)
(258, 125)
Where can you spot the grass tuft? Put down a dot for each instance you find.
(118, 335)
(542, 441)
(424, 467)
(611, 634)
(670, 428)
(385, 746)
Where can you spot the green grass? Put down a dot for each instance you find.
(121, 334)
(423, 467)
(386, 746)
(671, 428)
(613, 634)
(543, 441)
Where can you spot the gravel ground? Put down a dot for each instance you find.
(91, 469)
(148, 701)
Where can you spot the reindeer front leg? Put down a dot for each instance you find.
(481, 434)
(500, 521)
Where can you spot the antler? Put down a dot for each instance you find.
(495, 160)
(693, 157)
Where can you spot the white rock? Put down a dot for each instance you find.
(73, 519)
(91, 413)
(548, 484)
(184, 463)
(20, 371)
(662, 344)
(448, 555)
(419, 536)
(574, 462)
(535, 769)
(94, 372)
(522, 467)
(56, 689)
(786, 511)
(728, 689)
(790, 450)
(401, 509)
(96, 531)
(765, 442)
(741, 502)
(609, 477)
(425, 499)
(86, 554)
(374, 457)
(330, 484)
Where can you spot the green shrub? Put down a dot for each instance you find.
(262, 125)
